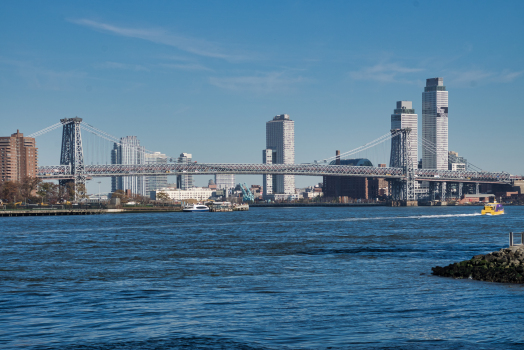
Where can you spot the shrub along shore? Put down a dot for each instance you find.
(504, 266)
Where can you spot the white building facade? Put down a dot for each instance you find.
(280, 142)
(128, 151)
(404, 117)
(198, 193)
(435, 125)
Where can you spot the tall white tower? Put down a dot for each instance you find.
(280, 139)
(404, 117)
(435, 125)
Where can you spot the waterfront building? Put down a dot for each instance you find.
(18, 157)
(184, 182)
(435, 125)
(404, 117)
(128, 151)
(197, 193)
(280, 149)
(153, 183)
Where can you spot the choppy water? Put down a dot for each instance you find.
(312, 278)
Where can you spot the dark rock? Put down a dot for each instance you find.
(505, 266)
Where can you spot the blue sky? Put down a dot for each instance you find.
(203, 77)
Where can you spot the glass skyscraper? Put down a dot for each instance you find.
(184, 182)
(280, 149)
(128, 151)
(435, 125)
(153, 183)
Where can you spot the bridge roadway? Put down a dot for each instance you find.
(63, 171)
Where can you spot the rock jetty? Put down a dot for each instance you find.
(504, 266)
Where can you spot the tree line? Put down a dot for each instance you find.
(34, 190)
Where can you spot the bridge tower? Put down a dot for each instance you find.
(73, 155)
(403, 189)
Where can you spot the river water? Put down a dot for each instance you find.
(270, 278)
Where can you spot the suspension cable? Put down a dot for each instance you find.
(45, 131)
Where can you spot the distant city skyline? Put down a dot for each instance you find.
(203, 78)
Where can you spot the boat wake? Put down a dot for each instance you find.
(276, 222)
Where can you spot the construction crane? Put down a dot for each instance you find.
(246, 193)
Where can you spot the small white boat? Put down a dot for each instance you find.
(195, 207)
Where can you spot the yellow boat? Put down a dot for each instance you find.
(493, 209)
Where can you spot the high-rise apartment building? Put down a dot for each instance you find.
(153, 183)
(128, 151)
(184, 182)
(18, 157)
(435, 125)
(404, 117)
(225, 181)
(280, 142)
(267, 180)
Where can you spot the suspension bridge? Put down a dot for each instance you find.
(402, 176)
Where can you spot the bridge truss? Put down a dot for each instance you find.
(402, 177)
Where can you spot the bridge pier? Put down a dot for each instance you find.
(443, 191)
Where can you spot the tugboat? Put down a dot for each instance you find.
(195, 207)
(493, 209)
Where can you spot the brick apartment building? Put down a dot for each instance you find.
(18, 157)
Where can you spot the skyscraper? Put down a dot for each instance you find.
(225, 181)
(153, 183)
(18, 157)
(184, 182)
(280, 142)
(128, 151)
(267, 180)
(404, 117)
(435, 125)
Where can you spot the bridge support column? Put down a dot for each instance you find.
(432, 189)
(460, 185)
(477, 188)
(449, 189)
(73, 155)
(442, 191)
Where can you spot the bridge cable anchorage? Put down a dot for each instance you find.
(45, 131)
(381, 139)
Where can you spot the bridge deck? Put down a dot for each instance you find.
(63, 171)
